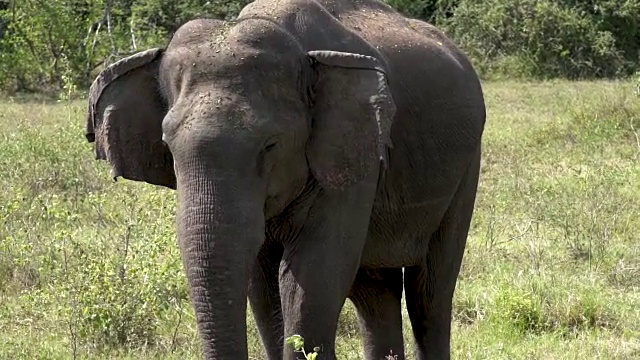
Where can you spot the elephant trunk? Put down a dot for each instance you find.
(220, 230)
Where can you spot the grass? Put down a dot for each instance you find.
(552, 269)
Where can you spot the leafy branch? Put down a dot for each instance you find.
(297, 342)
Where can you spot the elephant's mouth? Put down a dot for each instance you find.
(295, 195)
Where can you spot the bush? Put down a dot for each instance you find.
(120, 298)
(43, 42)
(429, 10)
(46, 41)
(544, 309)
(548, 38)
(47, 45)
(521, 310)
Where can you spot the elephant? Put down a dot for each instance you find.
(320, 150)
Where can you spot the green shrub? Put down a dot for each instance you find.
(425, 9)
(523, 310)
(547, 38)
(544, 309)
(120, 299)
(42, 43)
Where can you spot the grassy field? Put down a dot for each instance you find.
(552, 270)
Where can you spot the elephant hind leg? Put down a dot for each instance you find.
(429, 287)
(377, 296)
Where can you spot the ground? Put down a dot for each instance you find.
(90, 267)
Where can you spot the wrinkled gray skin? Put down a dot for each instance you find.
(317, 148)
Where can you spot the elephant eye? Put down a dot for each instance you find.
(269, 147)
(270, 144)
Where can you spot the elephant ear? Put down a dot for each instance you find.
(124, 120)
(352, 115)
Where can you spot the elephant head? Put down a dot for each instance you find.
(239, 120)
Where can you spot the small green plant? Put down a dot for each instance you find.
(521, 309)
(297, 342)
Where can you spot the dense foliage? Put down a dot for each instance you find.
(549, 38)
(47, 44)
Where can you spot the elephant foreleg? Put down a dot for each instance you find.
(319, 266)
(377, 296)
(264, 297)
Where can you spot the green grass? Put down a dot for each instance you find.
(552, 269)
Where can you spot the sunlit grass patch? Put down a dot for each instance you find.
(551, 269)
